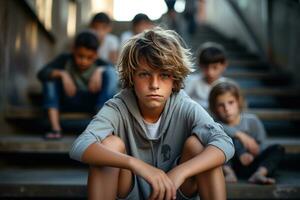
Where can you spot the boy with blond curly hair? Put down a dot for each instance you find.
(151, 141)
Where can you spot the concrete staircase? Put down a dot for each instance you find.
(34, 168)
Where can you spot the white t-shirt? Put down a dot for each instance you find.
(152, 128)
(109, 44)
(198, 89)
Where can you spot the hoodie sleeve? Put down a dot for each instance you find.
(58, 63)
(231, 131)
(102, 125)
(209, 132)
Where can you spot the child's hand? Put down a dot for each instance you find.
(246, 159)
(162, 186)
(68, 84)
(95, 82)
(176, 177)
(249, 143)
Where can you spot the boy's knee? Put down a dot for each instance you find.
(114, 143)
(193, 145)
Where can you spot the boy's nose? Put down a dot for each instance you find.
(85, 62)
(226, 108)
(154, 83)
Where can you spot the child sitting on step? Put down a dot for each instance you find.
(212, 62)
(76, 81)
(151, 141)
(252, 159)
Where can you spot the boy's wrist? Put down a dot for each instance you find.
(58, 73)
(132, 163)
(62, 73)
(183, 171)
(239, 135)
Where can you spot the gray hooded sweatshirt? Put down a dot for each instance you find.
(181, 118)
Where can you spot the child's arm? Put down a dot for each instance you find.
(210, 158)
(56, 64)
(56, 70)
(95, 82)
(89, 148)
(248, 142)
(98, 155)
(239, 147)
(258, 129)
(67, 81)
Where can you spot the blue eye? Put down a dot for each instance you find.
(165, 75)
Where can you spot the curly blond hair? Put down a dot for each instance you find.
(161, 49)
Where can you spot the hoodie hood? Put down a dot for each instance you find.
(129, 103)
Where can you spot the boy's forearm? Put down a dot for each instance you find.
(98, 155)
(210, 158)
(56, 73)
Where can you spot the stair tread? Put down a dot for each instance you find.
(72, 183)
(276, 114)
(270, 91)
(31, 112)
(35, 144)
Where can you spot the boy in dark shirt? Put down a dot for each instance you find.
(77, 81)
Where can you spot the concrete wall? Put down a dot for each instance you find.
(28, 41)
(220, 15)
(270, 28)
(285, 38)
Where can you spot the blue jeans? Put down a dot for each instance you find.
(83, 101)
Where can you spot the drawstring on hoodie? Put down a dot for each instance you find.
(152, 154)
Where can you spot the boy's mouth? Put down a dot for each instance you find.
(154, 96)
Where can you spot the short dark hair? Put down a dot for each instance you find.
(87, 39)
(101, 18)
(138, 18)
(210, 53)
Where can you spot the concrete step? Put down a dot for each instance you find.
(71, 183)
(264, 114)
(271, 91)
(269, 102)
(254, 64)
(258, 67)
(33, 118)
(262, 79)
(248, 74)
(278, 114)
(43, 183)
(278, 122)
(272, 98)
(37, 145)
(33, 112)
(258, 75)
